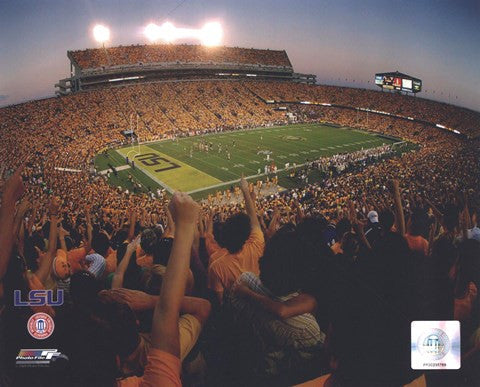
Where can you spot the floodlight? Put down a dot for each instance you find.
(168, 32)
(211, 34)
(152, 32)
(101, 33)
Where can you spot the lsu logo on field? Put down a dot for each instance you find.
(154, 160)
(38, 298)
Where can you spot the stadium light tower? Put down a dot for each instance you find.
(211, 34)
(101, 34)
(152, 32)
(168, 32)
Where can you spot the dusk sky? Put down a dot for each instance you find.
(339, 41)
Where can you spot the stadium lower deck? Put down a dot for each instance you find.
(201, 164)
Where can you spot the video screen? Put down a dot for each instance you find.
(393, 82)
(407, 84)
(388, 81)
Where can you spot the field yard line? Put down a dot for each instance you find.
(201, 161)
(257, 129)
(246, 177)
(278, 145)
(237, 150)
(159, 182)
(120, 168)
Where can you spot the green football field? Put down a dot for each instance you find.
(183, 165)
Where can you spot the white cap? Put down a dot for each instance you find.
(474, 233)
(373, 217)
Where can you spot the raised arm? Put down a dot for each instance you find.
(117, 281)
(88, 242)
(399, 216)
(131, 228)
(62, 233)
(249, 204)
(358, 226)
(45, 266)
(274, 224)
(170, 228)
(13, 190)
(165, 334)
(31, 220)
(22, 209)
(466, 219)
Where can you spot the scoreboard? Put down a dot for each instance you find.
(398, 81)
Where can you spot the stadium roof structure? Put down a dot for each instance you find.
(105, 67)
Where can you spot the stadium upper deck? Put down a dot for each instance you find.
(97, 68)
(164, 53)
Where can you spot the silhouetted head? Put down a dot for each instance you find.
(100, 243)
(84, 289)
(278, 266)
(387, 219)
(235, 232)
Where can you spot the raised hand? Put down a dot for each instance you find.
(62, 232)
(23, 207)
(243, 184)
(274, 224)
(183, 209)
(54, 205)
(14, 188)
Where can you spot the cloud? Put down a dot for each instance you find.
(3, 97)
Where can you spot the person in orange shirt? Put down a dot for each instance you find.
(163, 367)
(417, 223)
(243, 245)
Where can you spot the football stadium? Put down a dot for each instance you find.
(183, 211)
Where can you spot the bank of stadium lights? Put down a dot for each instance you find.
(101, 33)
(210, 34)
(152, 32)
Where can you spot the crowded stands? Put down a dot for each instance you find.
(314, 285)
(178, 53)
(464, 120)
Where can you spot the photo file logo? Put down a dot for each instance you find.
(38, 357)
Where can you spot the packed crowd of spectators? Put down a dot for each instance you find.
(181, 53)
(464, 120)
(309, 284)
(341, 162)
